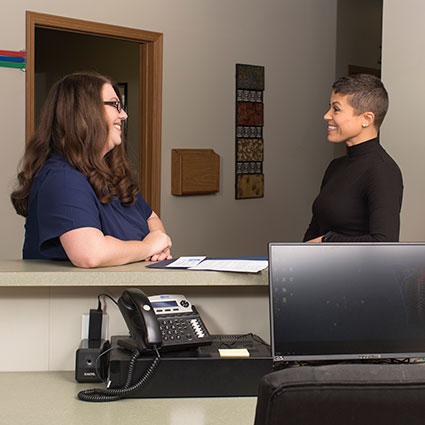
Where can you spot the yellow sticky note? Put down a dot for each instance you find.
(233, 352)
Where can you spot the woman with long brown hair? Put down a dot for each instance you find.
(75, 186)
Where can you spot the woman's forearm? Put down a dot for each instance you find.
(88, 247)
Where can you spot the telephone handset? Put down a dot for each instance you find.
(167, 321)
(140, 318)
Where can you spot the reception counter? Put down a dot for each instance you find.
(50, 398)
(42, 303)
(61, 273)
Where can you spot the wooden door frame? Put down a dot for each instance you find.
(150, 89)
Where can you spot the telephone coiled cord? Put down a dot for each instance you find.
(113, 394)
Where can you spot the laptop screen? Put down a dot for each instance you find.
(347, 301)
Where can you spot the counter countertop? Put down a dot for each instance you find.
(60, 273)
(47, 398)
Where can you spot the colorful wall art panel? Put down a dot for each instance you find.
(249, 132)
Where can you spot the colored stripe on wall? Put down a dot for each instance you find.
(12, 53)
(12, 59)
(12, 65)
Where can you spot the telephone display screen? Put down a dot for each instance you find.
(164, 304)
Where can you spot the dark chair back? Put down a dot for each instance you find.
(343, 394)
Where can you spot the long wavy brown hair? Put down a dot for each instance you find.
(73, 123)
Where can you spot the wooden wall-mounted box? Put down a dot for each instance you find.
(194, 171)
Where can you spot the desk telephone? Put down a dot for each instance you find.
(157, 323)
(166, 322)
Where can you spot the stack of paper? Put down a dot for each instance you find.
(224, 265)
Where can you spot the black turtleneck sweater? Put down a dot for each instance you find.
(360, 197)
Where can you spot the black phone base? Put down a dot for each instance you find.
(128, 344)
(197, 372)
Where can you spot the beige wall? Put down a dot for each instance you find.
(402, 133)
(203, 40)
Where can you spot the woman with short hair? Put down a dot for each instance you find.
(361, 193)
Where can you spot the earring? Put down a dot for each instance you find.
(364, 125)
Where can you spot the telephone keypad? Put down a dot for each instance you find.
(185, 329)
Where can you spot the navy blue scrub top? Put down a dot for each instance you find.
(62, 199)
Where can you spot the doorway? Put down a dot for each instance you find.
(57, 46)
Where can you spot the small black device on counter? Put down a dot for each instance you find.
(91, 365)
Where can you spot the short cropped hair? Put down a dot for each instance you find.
(366, 93)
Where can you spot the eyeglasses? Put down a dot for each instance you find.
(115, 103)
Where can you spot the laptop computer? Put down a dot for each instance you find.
(335, 301)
